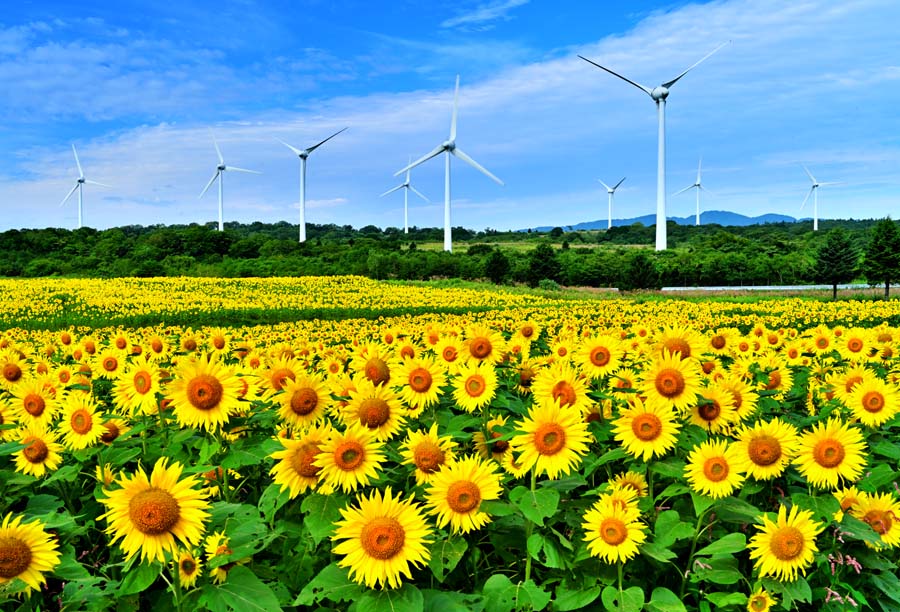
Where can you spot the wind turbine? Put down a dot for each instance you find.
(406, 188)
(659, 95)
(698, 185)
(611, 191)
(220, 174)
(449, 147)
(303, 154)
(814, 192)
(79, 185)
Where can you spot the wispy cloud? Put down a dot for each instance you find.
(483, 14)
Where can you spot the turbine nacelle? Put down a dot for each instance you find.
(449, 145)
(659, 93)
(80, 179)
(220, 167)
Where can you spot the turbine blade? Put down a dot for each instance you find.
(459, 153)
(455, 110)
(435, 151)
(418, 193)
(294, 149)
(709, 191)
(209, 184)
(216, 143)
(699, 166)
(77, 162)
(316, 146)
(646, 90)
(619, 183)
(236, 169)
(682, 191)
(833, 183)
(608, 188)
(808, 193)
(96, 183)
(69, 195)
(668, 84)
(391, 190)
(809, 174)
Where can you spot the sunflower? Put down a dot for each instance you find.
(821, 340)
(713, 469)
(218, 545)
(13, 369)
(149, 514)
(8, 421)
(475, 386)
(41, 453)
(714, 410)
(613, 533)
(428, 452)
(81, 426)
(633, 481)
(482, 345)
(188, 567)
(373, 361)
(881, 511)
(204, 393)
(406, 348)
(295, 468)
(157, 348)
(562, 348)
(553, 439)
(26, 552)
(745, 398)
(760, 601)
(681, 340)
(303, 400)
(495, 449)
(849, 498)
(375, 407)
(720, 341)
(776, 376)
(421, 381)
(112, 429)
(34, 403)
(529, 331)
(874, 402)
(349, 459)
(104, 474)
(218, 342)
(645, 431)
(526, 371)
(843, 382)
(599, 355)
(765, 450)
(623, 383)
(277, 373)
(854, 344)
(448, 351)
(381, 539)
(513, 467)
(456, 492)
(784, 548)
(831, 452)
(561, 382)
(109, 362)
(671, 381)
(135, 388)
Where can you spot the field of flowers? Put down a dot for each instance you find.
(475, 451)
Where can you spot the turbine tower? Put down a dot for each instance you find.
(659, 95)
(303, 154)
(221, 168)
(814, 192)
(611, 191)
(406, 188)
(449, 147)
(79, 185)
(698, 185)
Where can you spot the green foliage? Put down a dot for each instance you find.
(837, 260)
(882, 257)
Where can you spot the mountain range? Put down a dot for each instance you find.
(718, 217)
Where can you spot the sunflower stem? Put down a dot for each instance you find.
(697, 533)
(620, 565)
(529, 527)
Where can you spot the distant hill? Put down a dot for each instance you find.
(718, 217)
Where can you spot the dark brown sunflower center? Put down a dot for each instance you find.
(709, 411)
(279, 376)
(669, 382)
(81, 421)
(189, 344)
(219, 342)
(156, 345)
(499, 446)
(463, 496)
(854, 345)
(34, 404)
(428, 457)
(764, 450)
(304, 401)
(154, 511)
(829, 453)
(715, 469)
(678, 345)
(526, 376)
(718, 342)
(420, 380)
(12, 372)
(449, 354)
(349, 455)
(613, 531)
(527, 331)
(407, 352)
(646, 427)
(600, 356)
(188, 566)
(475, 385)
(303, 461)
(480, 347)
(110, 364)
(873, 401)
(879, 520)
(374, 412)
(549, 439)
(382, 538)
(36, 450)
(851, 382)
(112, 432)
(786, 544)
(774, 381)
(205, 391)
(377, 371)
(142, 381)
(15, 557)
(564, 393)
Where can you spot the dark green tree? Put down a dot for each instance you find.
(496, 266)
(882, 259)
(837, 260)
(640, 273)
(542, 263)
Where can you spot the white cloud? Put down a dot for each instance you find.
(484, 13)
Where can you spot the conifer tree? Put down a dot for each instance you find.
(882, 260)
(837, 261)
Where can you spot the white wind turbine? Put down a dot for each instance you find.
(698, 185)
(449, 147)
(303, 154)
(221, 168)
(659, 95)
(406, 189)
(611, 191)
(814, 192)
(79, 185)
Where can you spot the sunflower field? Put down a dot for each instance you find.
(343, 444)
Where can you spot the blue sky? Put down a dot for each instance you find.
(138, 87)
